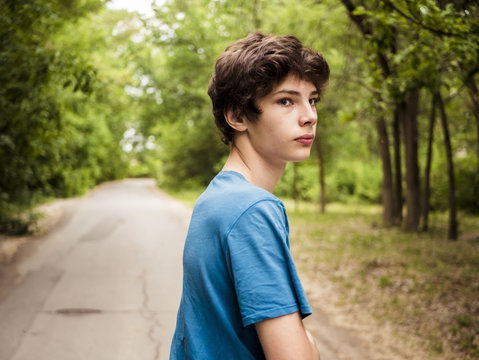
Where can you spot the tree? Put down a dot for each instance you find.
(391, 205)
(30, 117)
(455, 28)
(411, 43)
(56, 137)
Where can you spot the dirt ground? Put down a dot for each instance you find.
(15, 248)
(350, 331)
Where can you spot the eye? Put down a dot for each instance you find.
(313, 101)
(285, 102)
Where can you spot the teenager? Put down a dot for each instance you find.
(242, 297)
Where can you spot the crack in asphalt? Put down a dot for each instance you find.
(151, 316)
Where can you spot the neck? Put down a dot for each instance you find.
(254, 169)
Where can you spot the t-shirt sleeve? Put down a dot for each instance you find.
(263, 272)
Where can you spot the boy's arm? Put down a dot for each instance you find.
(285, 338)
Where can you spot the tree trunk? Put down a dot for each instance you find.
(409, 110)
(322, 196)
(452, 231)
(257, 15)
(387, 183)
(397, 170)
(427, 173)
(473, 93)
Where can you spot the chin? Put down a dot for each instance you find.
(301, 157)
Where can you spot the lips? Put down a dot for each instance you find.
(305, 139)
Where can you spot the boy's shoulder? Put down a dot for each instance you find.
(230, 192)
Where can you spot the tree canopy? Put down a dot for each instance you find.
(90, 94)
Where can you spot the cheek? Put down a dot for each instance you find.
(269, 130)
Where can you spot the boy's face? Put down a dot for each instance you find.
(285, 129)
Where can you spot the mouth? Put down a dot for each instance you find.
(305, 139)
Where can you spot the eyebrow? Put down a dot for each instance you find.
(293, 92)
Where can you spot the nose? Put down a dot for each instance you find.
(308, 115)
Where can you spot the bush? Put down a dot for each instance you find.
(300, 181)
(190, 153)
(467, 185)
(354, 181)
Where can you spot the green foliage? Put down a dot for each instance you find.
(355, 181)
(190, 154)
(71, 97)
(177, 65)
(466, 177)
(425, 46)
(176, 110)
(174, 100)
(60, 134)
(299, 182)
(30, 115)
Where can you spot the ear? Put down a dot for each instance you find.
(238, 123)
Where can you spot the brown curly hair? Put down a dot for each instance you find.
(251, 67)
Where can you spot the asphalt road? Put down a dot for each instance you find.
(105, 283)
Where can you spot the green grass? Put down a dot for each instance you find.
(188, 197)
(422, 283)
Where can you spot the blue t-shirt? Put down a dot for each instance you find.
(237, 270)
